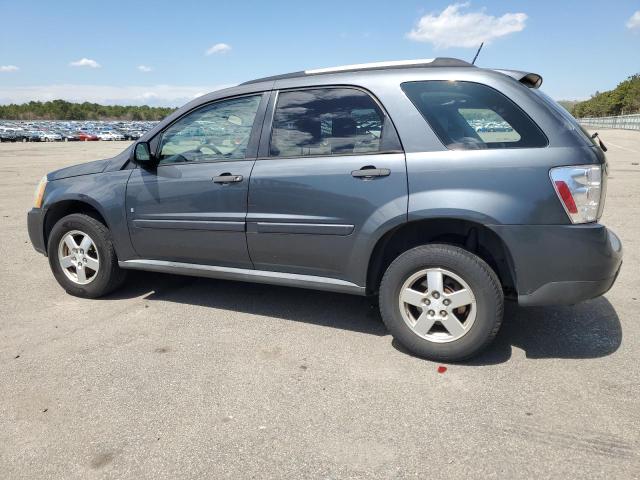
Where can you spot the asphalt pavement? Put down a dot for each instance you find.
(178, 377)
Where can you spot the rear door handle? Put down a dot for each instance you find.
(227, 178)
(370, 171)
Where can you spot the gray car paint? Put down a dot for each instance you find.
(502, 189)
(178, 213)
(322, 194)
(103, 191)
(88, 168)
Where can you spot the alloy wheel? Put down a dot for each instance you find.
(437, 305)
(78, 257)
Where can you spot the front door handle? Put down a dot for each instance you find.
(370, 171)
(227, 178)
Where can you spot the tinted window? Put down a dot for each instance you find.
(468, 115)
(566, 119)
(328, 121)
(216, 132)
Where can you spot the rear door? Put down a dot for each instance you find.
(330, 173)
(192, 208)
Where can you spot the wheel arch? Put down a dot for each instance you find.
(62, 208)
(475, 237)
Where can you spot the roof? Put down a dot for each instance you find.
(420, 63)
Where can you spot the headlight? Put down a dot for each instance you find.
(37, 200)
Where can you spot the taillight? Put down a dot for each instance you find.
(580, 190)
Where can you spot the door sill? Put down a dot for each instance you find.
(245, 275)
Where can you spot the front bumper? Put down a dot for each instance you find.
(35, 225)
(561, 264)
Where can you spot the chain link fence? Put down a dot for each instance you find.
(625, 122)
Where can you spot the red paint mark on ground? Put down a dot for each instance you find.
(442, 369)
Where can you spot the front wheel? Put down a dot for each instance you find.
(441, 302)
(82, 257)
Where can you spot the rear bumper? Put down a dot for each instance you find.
(567, 292)
(561, 264)
(35, 225)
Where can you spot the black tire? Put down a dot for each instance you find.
(109, 276)
(483, 282)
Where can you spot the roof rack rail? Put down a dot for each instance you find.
(425, 62)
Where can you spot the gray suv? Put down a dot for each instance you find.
(441, 187)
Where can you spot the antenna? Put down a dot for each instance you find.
(473, 62)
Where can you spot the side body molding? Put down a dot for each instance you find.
(246, 275)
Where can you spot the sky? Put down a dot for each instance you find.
(168, 52)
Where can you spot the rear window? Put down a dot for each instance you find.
(471, 116)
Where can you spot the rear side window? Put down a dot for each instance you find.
(330, 121)
(470, 116)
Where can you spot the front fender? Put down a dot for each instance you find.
(104, 192)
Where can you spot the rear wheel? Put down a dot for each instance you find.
(82, 257)
(441, 302)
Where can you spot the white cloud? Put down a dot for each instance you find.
(85, 62)
(218, 48)
(8, 68)
(634, 21)
(157, 95)
(145, 68)
(454, 28)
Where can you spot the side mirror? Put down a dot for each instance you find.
(142, 155)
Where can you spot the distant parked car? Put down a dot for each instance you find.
(110, 136)
(33, 136)
(7, 136)
(87, 137)
(12, 135)
(21, 136)
(70, 137)
(131, 135)
(50, 137)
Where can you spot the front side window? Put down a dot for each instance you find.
(217, 132)
(327, 121)
(467, 115)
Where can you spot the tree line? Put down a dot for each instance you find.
(622, 100)
(63, 110)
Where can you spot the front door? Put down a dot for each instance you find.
(192, 207)
(331, 173)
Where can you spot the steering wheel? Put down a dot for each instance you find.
(211, 146)
(177, 158)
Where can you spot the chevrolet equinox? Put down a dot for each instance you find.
(440, 187)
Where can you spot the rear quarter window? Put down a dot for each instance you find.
(472, 116)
